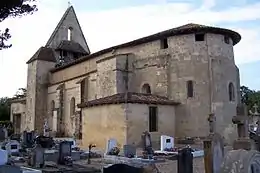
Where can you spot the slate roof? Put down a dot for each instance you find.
(71, 46)
(137, 98)
(185, 29)
(45, 54)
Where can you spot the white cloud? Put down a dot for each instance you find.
(107, 28)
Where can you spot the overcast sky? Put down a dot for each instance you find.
(106, 23)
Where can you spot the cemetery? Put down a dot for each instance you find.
(32, 153)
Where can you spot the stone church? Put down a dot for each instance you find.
(166, 83)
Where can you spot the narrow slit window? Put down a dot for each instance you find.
(231, 92)
(190, 89)
(153, 119)
(69, 33)
(226, 39)
(164, 43)
(199, 37)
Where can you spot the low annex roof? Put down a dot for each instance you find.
(130, 97)
(181, 30)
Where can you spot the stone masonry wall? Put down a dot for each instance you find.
(36, 100)
(223, 72)
(167, 71)
(42, 75)
(30, 97)
(137, 119)
(103, 122)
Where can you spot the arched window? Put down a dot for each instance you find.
(146, 89)
(70, 33)
(72, 106)
(231, 92)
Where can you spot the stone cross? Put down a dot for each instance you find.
(256, 114)
(241, 120)
(212, 123)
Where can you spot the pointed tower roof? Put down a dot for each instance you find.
(68, 20)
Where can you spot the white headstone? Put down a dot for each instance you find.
(54, 121)
(111, 143)
(12, 146)
(3, 157)
(167, 142)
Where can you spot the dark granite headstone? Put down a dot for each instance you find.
(45, 142)
(37, 157)
(3, 134)
(65, 153)
(10, 169)
(16, 137)
(129, 151)
(122, 168)
(28, 139)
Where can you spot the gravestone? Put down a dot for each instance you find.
(167, 142)
(3, 134)
(28, 139)
(213, 148)
(147, 145)
(122, 168)
(37, 157)
(65, 153)
(16, 137)
(241, 119)
(44, 141)
(241, 161)
(185, 160)
(129, 151)
(111, 143)
(11, 146)
(3, 157)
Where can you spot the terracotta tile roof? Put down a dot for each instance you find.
(18, 100)
(185, 29)
(44, 53)
(71, 46)
(137, 98)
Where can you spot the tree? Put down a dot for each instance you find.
(13, 8)
(4, 109)
(21, 93)
(249, 97)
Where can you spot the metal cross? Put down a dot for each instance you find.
(69, 3)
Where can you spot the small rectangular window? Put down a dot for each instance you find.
(199, 37)
(153, 119)
(65, 53)
(164, 43)
(189, 88)
(226, 39)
